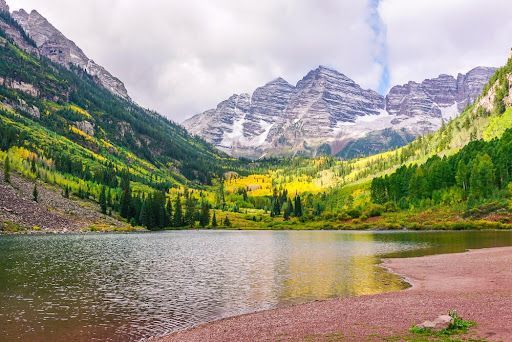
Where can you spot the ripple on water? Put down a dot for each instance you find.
(128, 287)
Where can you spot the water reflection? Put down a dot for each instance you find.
(127, 287)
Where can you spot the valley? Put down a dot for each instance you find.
(64, 125)
(312, 210)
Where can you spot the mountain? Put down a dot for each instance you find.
(441, 97)
(68, 126)
(458, 177)
(47, 41)
(327, 112)
(58, 107)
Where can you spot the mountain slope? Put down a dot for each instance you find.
(59, 125)
(39, 98)
(487, 119)
(328, 112)
(45, 40)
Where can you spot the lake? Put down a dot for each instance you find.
(128, 287)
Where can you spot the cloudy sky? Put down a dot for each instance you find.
(181, 57)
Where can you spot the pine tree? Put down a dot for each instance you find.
(144, 214)
(220, 196)
(214, 220)
(204, 218)
(227, 222)
(169, 213)
(7, 170)
(190, 210)
(298, 207)
(288, 209)
(33, 167)
(276, 204)
(152, 212)
(178, 213)
(318, 210)
(126, 196)
(103, 200)
(109, 201)
(35, 193)
(160, 210)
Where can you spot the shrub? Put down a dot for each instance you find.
(11, 227)
(354, 213)
(391, 207)
(343, 216)
(374, 210)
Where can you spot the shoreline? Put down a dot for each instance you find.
(139, 230)
(477, 283)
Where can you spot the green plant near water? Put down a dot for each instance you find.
(11, 227)
(458, 326)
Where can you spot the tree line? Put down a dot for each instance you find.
(480, 171)
(158, 211)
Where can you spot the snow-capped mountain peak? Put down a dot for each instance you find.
(328, 110)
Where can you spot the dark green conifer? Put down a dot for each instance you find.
(35, 193)
(214, 220)
(103, 200)
(7, 170)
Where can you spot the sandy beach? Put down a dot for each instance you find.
(478, 284)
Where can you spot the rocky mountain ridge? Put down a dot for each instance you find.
(45, 40)
(327, 112)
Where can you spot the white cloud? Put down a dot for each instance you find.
(181, 57)
(429, 37)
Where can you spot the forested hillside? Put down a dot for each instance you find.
(478, 173)
(59, 126)
(463, 168)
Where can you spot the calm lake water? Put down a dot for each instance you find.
(129, 287)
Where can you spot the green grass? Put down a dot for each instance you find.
(11, 227)
(458, 326)
(498, 125)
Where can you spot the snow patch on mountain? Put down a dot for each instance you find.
(328, 108)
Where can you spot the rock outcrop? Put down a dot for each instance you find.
(52, 44)
(321, 100)
(86, 127)
(433, 97)
(34, 34)
(27, 88)
(3, 6)
(326, 109)
(14, 31)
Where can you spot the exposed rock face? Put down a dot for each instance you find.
(321, 100)
(470, 86)
(243, 120)
(27, 88)
(31, 110)
(52, 44)
(268, 104)
(15, 32)
(328, 108)
(433, 97)
(86, 127)
(3, 6)
(221, 124)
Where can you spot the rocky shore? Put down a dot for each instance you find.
(51, 214)
(478, 284)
